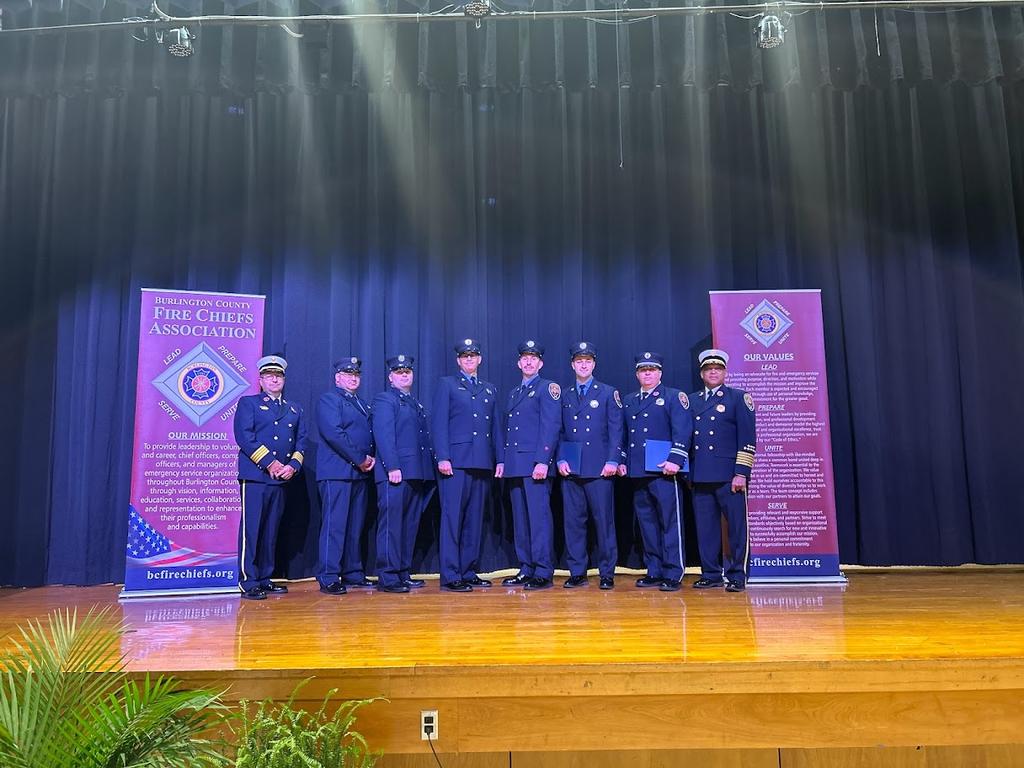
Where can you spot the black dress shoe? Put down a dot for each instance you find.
(537, 583)
(707, 584)
(274, 589)
(735, 586)
(397, 589)
(670, 585)
(476, 581)
(253, 594)
(515, 581)
(648, 581)
(334, 588)
(457, 586)
(413, 583)
(575, 581)
(363, 583)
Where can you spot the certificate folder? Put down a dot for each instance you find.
(571, 454)
(656, 451)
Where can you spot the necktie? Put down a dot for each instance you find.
(707, 395)
(581, 390)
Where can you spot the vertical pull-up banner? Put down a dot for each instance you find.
(197, 356)
(776, 346)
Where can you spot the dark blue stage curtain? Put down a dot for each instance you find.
(394, 188)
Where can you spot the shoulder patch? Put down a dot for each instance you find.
(748, 401)
(684, 400)
(615, 396)
(554, 390)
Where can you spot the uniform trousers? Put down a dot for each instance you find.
(463, 496)
(598, 495)
(400, 506)
(262, 508)
(534, 530)
(659, 511)
(711, 502)
(343, 509)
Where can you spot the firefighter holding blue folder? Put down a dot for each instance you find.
(589, 456)
(658, 413)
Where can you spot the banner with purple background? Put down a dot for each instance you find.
(197, 356)
(776, 346)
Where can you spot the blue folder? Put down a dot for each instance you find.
(656, 451)
(571, 454)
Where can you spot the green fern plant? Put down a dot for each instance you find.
(67, 701)
(279, 735)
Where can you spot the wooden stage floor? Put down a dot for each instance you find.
(896, 658)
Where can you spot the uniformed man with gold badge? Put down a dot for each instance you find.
(465, 429)
(592, 433)
(532, 422)
(344, 472)
(657, 413)
(271, 435)
(404, 472)
(721, 458)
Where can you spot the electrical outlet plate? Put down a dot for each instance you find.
(428, 717)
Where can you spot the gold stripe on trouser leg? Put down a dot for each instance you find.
(746, 520)
(679, 530)
(241, 554)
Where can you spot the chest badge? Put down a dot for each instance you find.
(720, 408)
(660, 401)
(594, 403)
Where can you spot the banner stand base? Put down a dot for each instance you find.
(131, 594)
(797, 581)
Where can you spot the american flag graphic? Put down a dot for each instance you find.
(148, 547)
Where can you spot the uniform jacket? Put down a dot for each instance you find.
(343, 424)
(266, 431)
(532, 421)
(596, 422)
(402, 435)
(664, 415)
(723, 436)
(465, 422)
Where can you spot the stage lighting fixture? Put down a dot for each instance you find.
(770, 33)
(477, 9)
(179, 42)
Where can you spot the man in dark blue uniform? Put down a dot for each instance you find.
(660, 413)
(722, 456)
(592, 429)
(271, 436)
(344, 466)
(532, 421)
(404, 472)
(465, 428)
